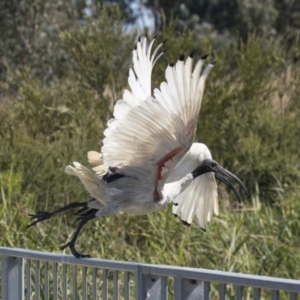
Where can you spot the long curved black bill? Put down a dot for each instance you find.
(220, 172)
(229, 184)
(209, 165)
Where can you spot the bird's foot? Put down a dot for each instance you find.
(39, 217)
(74, 251)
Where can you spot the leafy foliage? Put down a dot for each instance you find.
(30, 35)
(249, 119)
(101, 51)
(226, 18)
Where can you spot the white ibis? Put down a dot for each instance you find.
(148, 158)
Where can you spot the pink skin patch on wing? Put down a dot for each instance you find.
(161, 164)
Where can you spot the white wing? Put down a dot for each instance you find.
(154, 134)
(139, 81)
(200, 200)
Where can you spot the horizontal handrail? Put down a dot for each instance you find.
(267, 282)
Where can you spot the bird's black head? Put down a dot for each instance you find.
(210, 165)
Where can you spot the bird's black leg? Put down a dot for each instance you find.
(89, 215)
(45, 215)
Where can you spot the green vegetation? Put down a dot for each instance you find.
(249, 120)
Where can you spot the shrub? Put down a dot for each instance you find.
(249, 120)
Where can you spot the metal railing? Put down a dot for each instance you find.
(37, 275)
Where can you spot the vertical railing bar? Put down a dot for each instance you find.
(28, 284)
(126, 285)
(104, 285)
(138, 283)
(206, 286)
(84, 283)
(178, 288)
(116, 285)
(12, 277)
(275, 295)
(164, 287)
(94, 289)
(256, 293)
(55, 282)
(64, 282)
(239, 292)
(222, 291)
(37, 280)
(74, 282)
(293, 296)
(46, 278)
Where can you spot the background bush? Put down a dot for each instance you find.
(54, 110)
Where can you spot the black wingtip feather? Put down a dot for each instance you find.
(204, 57)
(203, 229)
(186, 223)
(192, 54)
(181, 57)
(164, 41)
(175, 215)
(171, 65)
(139, 39)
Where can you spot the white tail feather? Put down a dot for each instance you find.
(96, 163)
(93, 184)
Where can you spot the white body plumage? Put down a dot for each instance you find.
(148, 129)
(148, 158)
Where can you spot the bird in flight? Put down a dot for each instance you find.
(148, 158)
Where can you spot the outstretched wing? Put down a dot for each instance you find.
(151, 136)
(199, 200)
(139, 81)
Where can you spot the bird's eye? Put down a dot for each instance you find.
(213, 164)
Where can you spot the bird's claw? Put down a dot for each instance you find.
(74, 251)
(39, 217)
